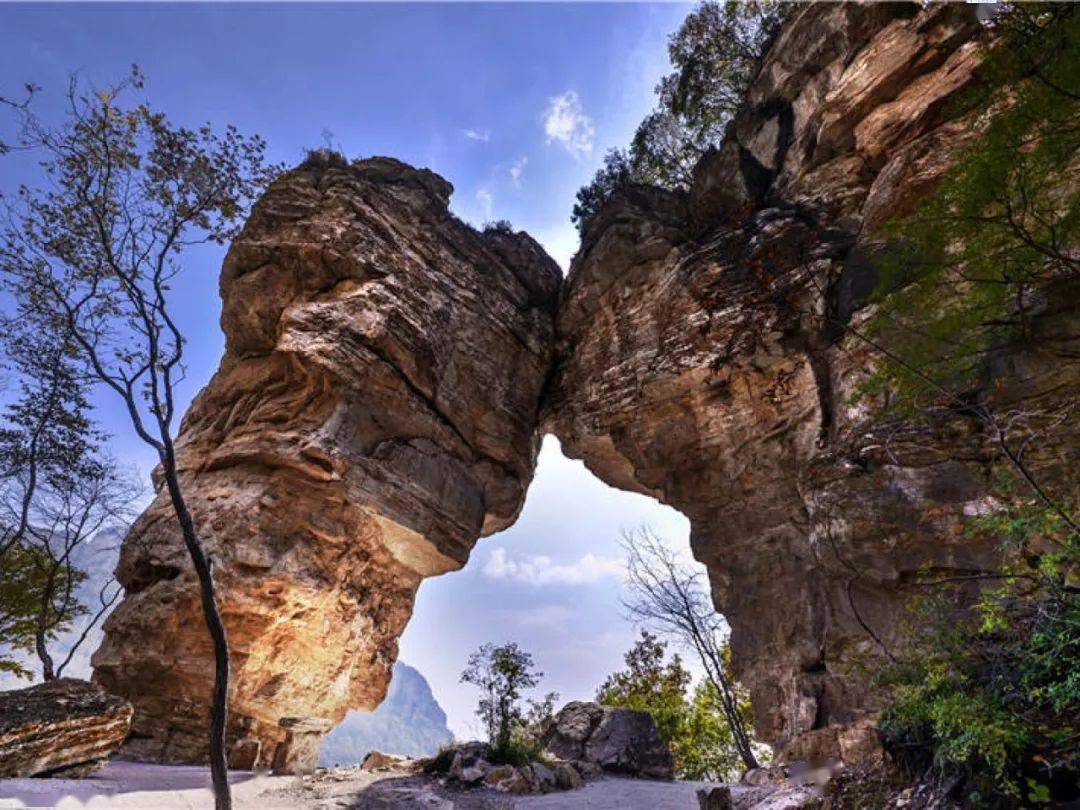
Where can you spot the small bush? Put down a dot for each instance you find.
(499, 226)
(521, 749)
(324, 159)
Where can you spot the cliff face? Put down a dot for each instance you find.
(704, 357)
(378, 406)
(373, 415)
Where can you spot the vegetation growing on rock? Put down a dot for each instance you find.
(988, 698)
(715, 53)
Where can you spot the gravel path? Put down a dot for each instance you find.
(619, 794)
(126, 785)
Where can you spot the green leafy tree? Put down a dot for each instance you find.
(648, 684)
(716, 54)
(706, 748)
(96, 251)
(691, 722)
(24, 592)
(502, 673)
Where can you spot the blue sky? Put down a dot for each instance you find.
(513, 104)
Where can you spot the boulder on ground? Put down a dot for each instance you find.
(470, 764)
(543, 778)
(299, 753)
(66, 724)
(618, 740)
(378, 761)
(567, 776)
(717, 798)
(244, 754)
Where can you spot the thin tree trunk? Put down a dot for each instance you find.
(40, 646)
(219, 772)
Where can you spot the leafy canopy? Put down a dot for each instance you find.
(502, 673)
(690, 720)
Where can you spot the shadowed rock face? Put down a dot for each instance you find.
(373, 415)
(704, 358)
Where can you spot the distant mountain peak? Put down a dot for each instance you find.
(409, 722)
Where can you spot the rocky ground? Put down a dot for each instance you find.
(162, 787)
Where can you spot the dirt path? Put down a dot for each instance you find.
(127, 785)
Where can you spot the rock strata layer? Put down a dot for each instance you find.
(705, 358)
(374, 414)
(66, 725)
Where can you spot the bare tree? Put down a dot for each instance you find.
(46, 433)
(97, 251)
(672, 598)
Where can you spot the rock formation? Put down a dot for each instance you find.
(617, 740)
(704, 357)
(373, 415)
(64, 726)
(387, 368)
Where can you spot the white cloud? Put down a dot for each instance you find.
(483, 135)
(546, 616)
(566, 123)
(516, 170)
(486, 200)
(541, 570)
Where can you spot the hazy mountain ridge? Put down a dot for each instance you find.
(409, 722)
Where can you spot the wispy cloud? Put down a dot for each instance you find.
(483, 135)
(486, 200)
(516, 170)
(542, 570)
(545, 616)
(566, 123)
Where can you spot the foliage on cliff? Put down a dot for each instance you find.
(715, 54)
(989, 699)
(1002, 225)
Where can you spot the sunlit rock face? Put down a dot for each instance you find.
(703, 358)
(373, 415)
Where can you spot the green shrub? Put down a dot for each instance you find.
(520, 749)
(499, 226)
(989, 698)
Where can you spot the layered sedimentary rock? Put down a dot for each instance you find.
(373, 415)
(706, 357)
(66, 726)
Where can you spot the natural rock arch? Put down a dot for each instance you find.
(388, 372)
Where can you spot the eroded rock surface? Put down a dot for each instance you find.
(373, 415)
(66, 726)
(704, 357)
(617, 740)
